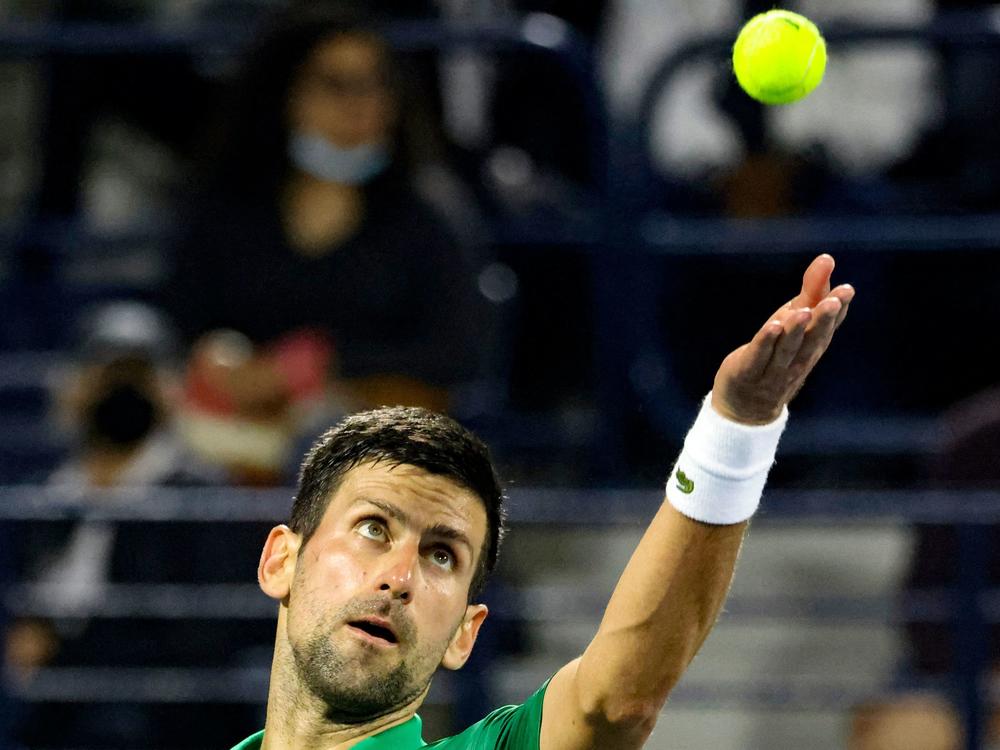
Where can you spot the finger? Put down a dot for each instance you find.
(787, 310)
(760, 350)
(815, 282)
(845, 293)
(819, 333)
(791, 339)
(825, 312)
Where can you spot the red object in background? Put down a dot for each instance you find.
(298, 365)
(305, 358)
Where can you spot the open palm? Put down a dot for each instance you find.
(757, 380)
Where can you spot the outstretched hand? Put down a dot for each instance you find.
(756, 381)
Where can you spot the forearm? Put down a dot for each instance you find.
(673, 587)
(663, 608)
(670, 594)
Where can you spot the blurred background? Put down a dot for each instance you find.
(226, 223)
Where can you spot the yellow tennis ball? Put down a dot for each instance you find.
(779, 57)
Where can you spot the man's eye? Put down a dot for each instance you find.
(372, 530)
(443, 557)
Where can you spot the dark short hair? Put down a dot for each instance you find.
(402, 435)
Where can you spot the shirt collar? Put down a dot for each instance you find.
(405, 736)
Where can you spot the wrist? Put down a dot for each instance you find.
(723, 467)
(749, 413)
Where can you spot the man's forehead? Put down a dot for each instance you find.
(414, 488)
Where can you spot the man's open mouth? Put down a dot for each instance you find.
(375, 629)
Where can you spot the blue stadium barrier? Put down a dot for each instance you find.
(627, 231)
(969, 607)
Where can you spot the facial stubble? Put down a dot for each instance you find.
(358, 682)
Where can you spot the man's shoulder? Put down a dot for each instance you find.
(514, 727)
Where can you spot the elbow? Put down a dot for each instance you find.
(638, 715)
(622, 702)
(625, 717)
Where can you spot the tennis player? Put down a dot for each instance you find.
(397, 522)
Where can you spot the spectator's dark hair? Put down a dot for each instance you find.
(402, 435)
(246, 150)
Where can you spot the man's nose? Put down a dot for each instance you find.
(399, 571)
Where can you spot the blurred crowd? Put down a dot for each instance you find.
(338, 220)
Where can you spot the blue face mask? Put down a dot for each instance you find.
(316, 156)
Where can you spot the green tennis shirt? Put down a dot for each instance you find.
(506, 728)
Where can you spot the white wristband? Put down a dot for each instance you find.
(720, 474)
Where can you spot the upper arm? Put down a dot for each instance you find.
(567, 725)
(563, 725)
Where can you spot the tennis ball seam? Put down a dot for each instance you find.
(792, 87)
(761, 49)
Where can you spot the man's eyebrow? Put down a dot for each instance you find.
(387, 508)
(443, 531)
(439, 530)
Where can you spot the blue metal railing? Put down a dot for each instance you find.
(629, 231)
(969, 606)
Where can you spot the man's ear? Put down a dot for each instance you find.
(277, 562)
(465, 637)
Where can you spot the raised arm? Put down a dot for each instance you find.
(669, 596)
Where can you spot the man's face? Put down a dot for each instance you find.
(379, 594)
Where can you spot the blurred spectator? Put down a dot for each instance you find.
(911, 722)
(928, 721)
(313, 250)
(118, 400)
(954, 166)
(864, 116)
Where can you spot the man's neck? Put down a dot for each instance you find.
(297, 720)
(298, 731)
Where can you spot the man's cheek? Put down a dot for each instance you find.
(340, 568)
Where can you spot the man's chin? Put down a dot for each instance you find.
(367, 701)
(368, 669)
